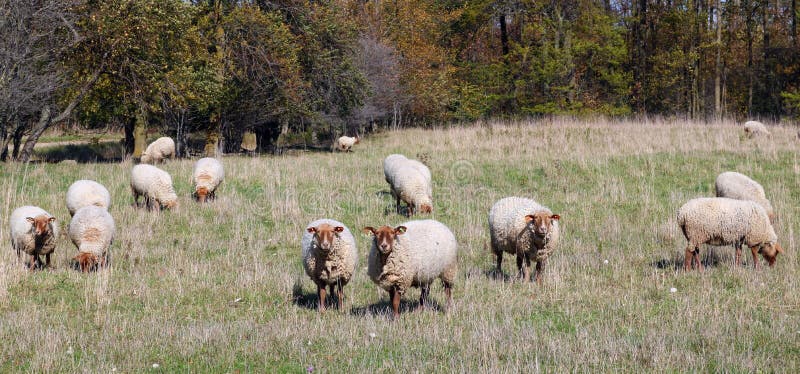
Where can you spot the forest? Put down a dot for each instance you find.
(296, 72)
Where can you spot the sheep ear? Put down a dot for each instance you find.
(338, 229)
(368, 230)
(778, 248)
(400, 230)
(555, 217)
(311, 229)
(52, 219)
(528, 218)
(30, 219)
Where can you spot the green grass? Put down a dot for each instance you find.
(220, 288)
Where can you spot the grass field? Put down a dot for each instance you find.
(220, 288)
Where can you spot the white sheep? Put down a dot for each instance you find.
(390, 164)
(159, 150)
(87, 192)
(523, 227)
(155, 185)
(741, 187)
(345, 143)
(413, 254)
(330, 257)
(208, 174)
(34, 232)
(409, 181)
(92, 230)
(755, 128)
(724, 221)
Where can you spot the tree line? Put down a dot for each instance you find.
(299, 72)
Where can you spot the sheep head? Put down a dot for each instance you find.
(425, 208)
(201, 194)
(41, 224)
(770, 252)
(172, 204)
(324, 235)
(358, 140)
(541, 222)
(385, 236)
(86, 261)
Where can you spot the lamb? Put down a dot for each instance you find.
(208, 174)
(85, 193)
(724, 221)
(523, 227)
(413, 254)
(156, 186)
(162, 148)
(755, 128)
(739, 186)
(34, 232)
(409, 181)
(330, 257)
(345, 143)
(92, 231)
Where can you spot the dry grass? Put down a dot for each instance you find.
(220, 288)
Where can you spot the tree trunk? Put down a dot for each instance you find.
(17, 140)
(718, 66)
(130, 123)
(794, 24)
(139, 133)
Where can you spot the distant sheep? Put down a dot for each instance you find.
(523, 227)
(330, 257)
(34, 232)
(92, 230)
(755, 128)
(85, 193)
(724, 221)
(409, 181)
(208, 174)
(741, 187)
(345, 143)
(413, 254)
(159, 150)
(155, 185)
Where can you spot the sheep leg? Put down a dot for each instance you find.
(754, 250)
(539, 270)
(332, 292)
(738, 254)
(34, 258)
(423, 295)
(448, 292)
(395, 296)
(47, 260)
(527, 268)
(519, 265)
(689, 257)
(321, 294)
(340, 295)
(499, 262)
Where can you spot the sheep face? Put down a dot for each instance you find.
(201, 194)
(770, 252)
(169, 205)
(541, 222)
(358, 140)
(40, 224)
(145, 159)
(86, 261)
(324, 235)
(425, 208)
(385, 236)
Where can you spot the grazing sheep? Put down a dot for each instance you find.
(755, 128)
(724, 221)
(409, 181)
(159, 150)
(330, 257)
(208, 174)
(34, 232)
(156, 186)
(412, 255)
(739, 186)
(523, 227)
(390, 164)
(345, 143)
(92, 231)
(85, 193)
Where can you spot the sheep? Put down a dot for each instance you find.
(92, 231)
(413, 254)
(755, 128)
(390, 164)
(409, 181)
(523, 227)
(162, 148)
(208, 174)
(156, 186)
(345, 143)
(739, 186)
(34, 232)
(85, 193)
(330, 257)
(724, 221)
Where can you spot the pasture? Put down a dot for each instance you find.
(220, 287)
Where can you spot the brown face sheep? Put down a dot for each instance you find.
(330, 257)
(88, 262)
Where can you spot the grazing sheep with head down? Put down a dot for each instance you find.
(409, 181)
(345, 143)
(155, 185)
(413, 254)
(755, 128)
(92, 230)
(34, 232)
(523, 227)
(208, 175)
(159, 150)
(330, 257)
(739, 186)
(85, 193)
(723, 221)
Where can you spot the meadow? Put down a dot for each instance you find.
(220, 287)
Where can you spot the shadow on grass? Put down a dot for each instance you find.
(708, 258)
(384, 307)
(83, 153)
(310, 300)
(496, 275)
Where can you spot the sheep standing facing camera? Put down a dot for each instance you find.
(330, 257)
(34, 232)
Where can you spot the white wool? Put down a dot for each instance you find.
(510, 232)
(741, 187)
(344, 143)
(159, 150)
(755, 128)
(23, 235)
(85, 193)
(724, 221)
(92, 230)
(209, 173)
(339, 264)
(154, 184)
